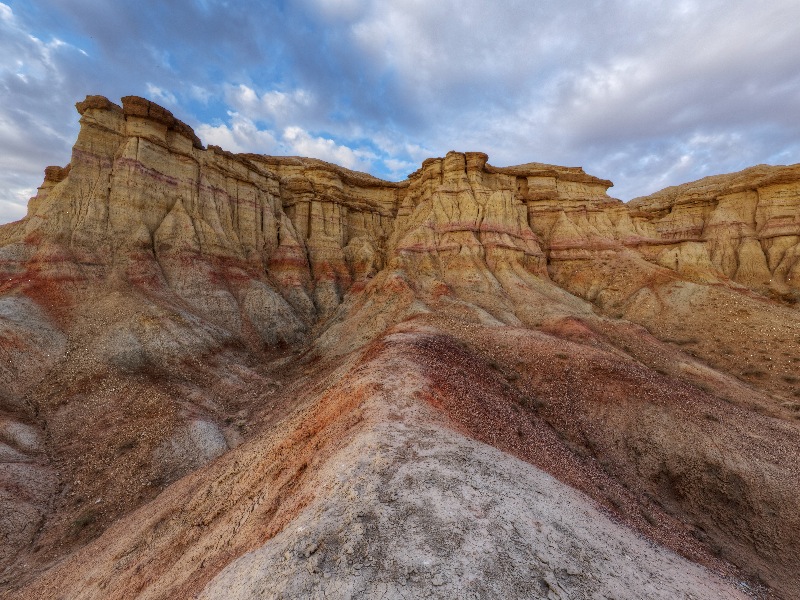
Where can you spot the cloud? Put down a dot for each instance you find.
(577, 83)
(161, 96)
(34, 131)
(273, 106)
(15, 199)
(305, 144)
(400, 169)
(646, 94)
(728, 71)
(240, 135)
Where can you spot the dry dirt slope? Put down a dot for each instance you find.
(238, 376)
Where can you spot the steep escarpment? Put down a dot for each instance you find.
(747, 223)
(143, 199)
(234, 375)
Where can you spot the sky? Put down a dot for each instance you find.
(643, 92)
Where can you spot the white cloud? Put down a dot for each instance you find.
(36, 121)
(241, 135)
(200, 93)
(400, 168)
(13, 205)
(302, 143)
(161, 95)
(579, 83)
(395, 145)
(277, 107)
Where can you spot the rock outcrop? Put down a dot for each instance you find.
(234, 375)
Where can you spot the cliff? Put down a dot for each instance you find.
(196, 345)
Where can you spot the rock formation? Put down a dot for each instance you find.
(240, 376)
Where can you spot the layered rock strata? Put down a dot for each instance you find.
(264, 232)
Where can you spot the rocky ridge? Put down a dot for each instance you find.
(182, 326)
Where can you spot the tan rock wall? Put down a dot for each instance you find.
(749, 222)
(141, 188)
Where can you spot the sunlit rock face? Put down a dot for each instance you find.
(143, 200)
(241, 376)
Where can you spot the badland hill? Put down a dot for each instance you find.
(234, 376)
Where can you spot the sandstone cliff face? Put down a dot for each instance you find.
(275, 243)
(272, 244)
(195, 344)
(744, 226)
